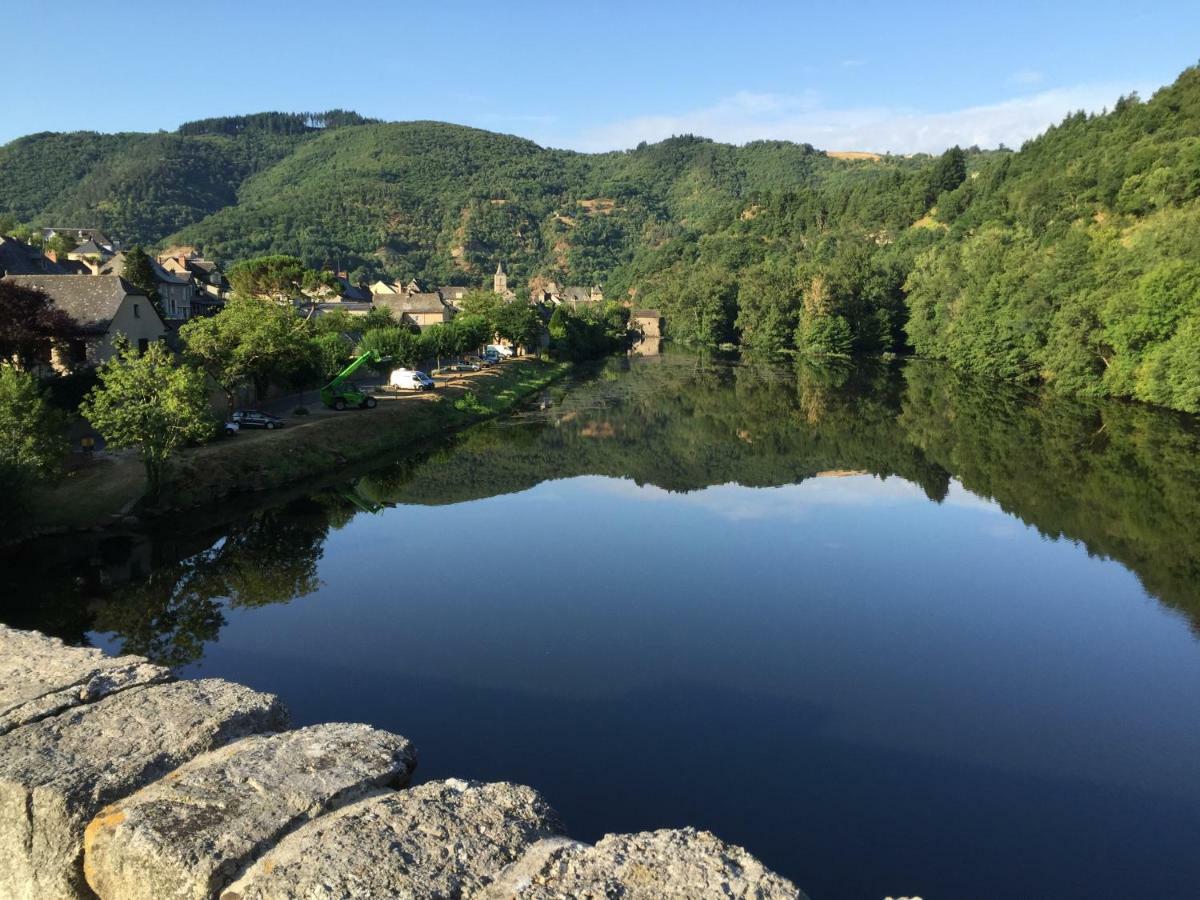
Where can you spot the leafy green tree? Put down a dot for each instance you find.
(32, 436)
(519, 324)
(438, 340)
(400, 346)
(471, 332)
(61, 244)
(250, 341)
(139, 271)
(279, 278)
(330, 354)
(151, 402)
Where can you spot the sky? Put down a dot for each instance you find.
(891, 77)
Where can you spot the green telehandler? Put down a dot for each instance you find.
(340, 393)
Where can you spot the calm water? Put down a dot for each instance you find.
(896, 634)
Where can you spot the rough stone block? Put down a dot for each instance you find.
(653, 865)
(41, 676)
(189, 834)
(57, 773)
(442, 839)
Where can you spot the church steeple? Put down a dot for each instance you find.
(500, 280)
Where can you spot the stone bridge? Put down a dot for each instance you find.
(118, 781)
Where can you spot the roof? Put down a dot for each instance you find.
(116, 266)
(576, 294)
(89, 248)
(92, 234)
(452, 292)
(351, 292)
(92, 301)
(354, 307)
(430, 302)
(18, 258)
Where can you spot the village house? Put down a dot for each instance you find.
(175, 292)
(549, 293)
(416, 307)
(84, 236)
(102, 306)
(19, 258)
(422, 309)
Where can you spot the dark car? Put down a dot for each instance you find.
(252, 418)
(455, 368)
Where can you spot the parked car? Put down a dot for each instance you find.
(455, 368)
(499, 350)
(230, 428)
(492, 356)
(252, 418)
(410, 380)
(482, 361)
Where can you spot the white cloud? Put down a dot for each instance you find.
(747, 116)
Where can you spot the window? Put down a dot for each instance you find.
(137, 311)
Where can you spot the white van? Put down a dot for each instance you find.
(499, 350)
(410, 380)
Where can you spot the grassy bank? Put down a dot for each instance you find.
(311, 446)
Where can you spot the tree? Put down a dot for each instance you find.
(31, 430)
(32, 443)
(281, 279)
(152, 402)
(250, 341)
(518, 324)
(438, 340)
(139, 271)
(29, 323)
(471, 332)
(399, 345)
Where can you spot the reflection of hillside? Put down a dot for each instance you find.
(682, 426)
(1121, 479)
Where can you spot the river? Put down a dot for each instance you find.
(895, 632)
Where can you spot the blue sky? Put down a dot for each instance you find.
(594, 76)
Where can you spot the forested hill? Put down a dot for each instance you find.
(1074, 261)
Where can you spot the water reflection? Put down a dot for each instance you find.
(1121, 479)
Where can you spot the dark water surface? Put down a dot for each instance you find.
(896, 634)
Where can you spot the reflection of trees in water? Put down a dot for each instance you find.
(1119, 478)
(170, 614)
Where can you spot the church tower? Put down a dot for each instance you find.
(500, 280)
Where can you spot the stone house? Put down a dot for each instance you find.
(649, 321)
(574, 296)
(84, 236)
(102, 306)
(19, 258)
(176, 292)
(421, 308)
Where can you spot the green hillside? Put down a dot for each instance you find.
(1074, 261)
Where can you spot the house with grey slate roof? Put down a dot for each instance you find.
(102, 306)
(175, 292)
(19, 258)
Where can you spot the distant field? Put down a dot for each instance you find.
(853, 154)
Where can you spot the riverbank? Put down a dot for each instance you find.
(112, 489)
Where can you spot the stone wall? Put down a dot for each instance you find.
(118, 781)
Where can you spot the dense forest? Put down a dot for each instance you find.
(1074, 261)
